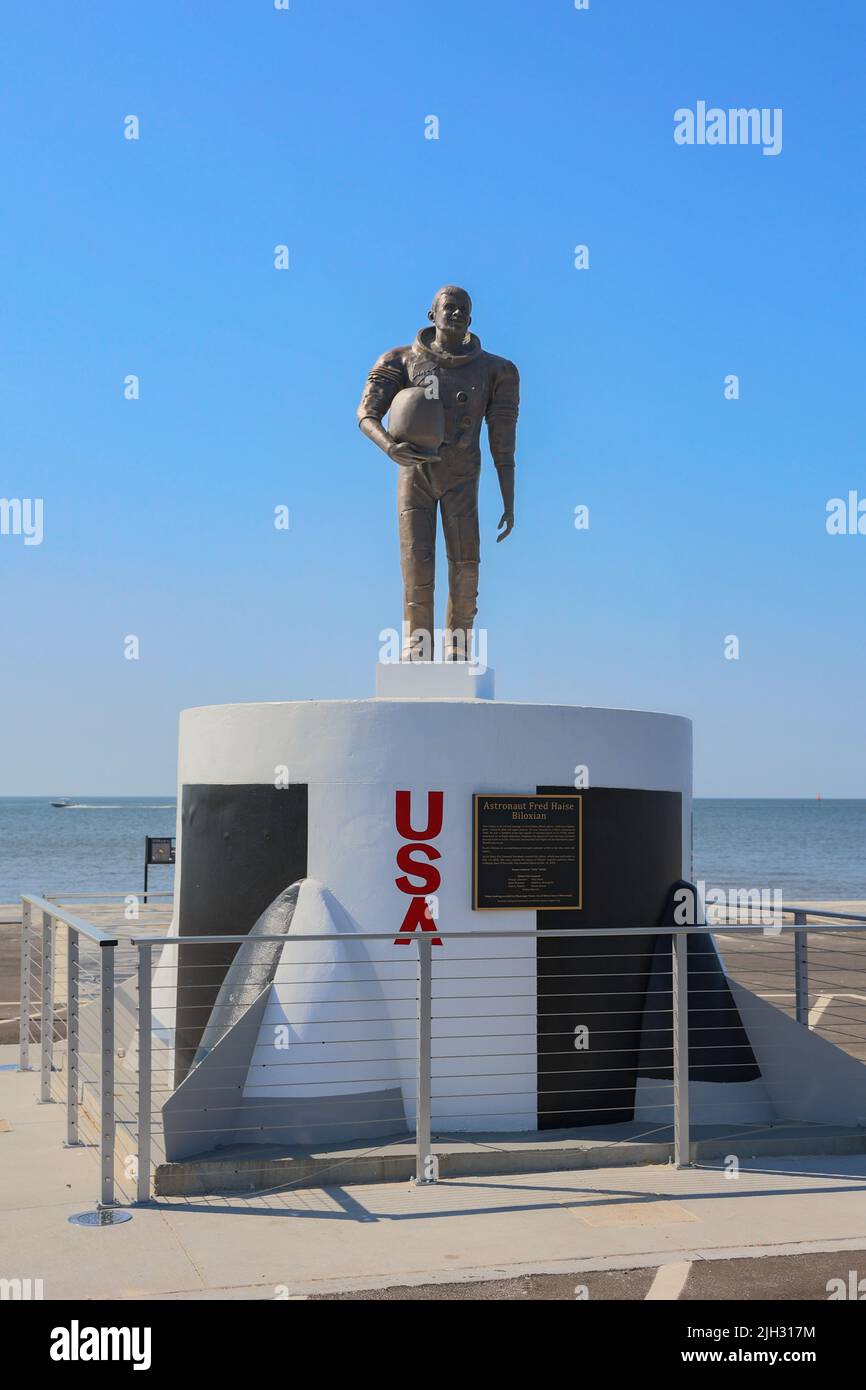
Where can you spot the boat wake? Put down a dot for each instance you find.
(118, 806)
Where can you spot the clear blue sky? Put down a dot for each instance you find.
(259, 127)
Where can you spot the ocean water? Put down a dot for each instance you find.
(94, 845)
(807, 849)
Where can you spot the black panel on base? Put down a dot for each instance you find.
(632, 846)
(240, 847)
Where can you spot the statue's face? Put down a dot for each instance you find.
(452, 311)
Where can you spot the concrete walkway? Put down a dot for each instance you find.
(326, 1240)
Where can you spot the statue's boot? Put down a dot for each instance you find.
(462, 607)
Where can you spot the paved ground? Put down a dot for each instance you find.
(608, 1229)
(109, 916)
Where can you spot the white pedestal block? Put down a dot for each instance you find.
(351, 759)
(433, 680)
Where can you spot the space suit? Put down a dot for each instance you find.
(472, 385)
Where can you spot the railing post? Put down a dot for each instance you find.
(425, 1164)
(144, 1071)
(106, 1126)
(801, 968)
(24, 1021)
(680, 991)
(72, 946)
(46, 1026)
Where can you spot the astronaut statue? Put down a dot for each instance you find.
(436, 392)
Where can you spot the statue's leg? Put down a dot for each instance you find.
(416, 508)
(460, 523)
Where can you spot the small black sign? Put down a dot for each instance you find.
(158, 849)
(527, 852)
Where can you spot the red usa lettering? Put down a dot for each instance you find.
(417, 860)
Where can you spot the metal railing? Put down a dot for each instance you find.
(38, 975)
(69, 978)
(74, 976)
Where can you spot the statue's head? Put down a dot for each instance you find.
(451, 310)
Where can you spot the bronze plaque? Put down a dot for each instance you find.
(527, 852)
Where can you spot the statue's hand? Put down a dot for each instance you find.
(408, 455)
(506, 520)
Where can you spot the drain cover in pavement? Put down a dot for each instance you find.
(109, 1217)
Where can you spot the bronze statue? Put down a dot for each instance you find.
(436, 393)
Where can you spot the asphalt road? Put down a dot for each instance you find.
(782, 1278)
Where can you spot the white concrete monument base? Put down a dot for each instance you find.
(327, 794)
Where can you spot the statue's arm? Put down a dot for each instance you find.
(501, 416)
(379, 435)
(386, 378)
